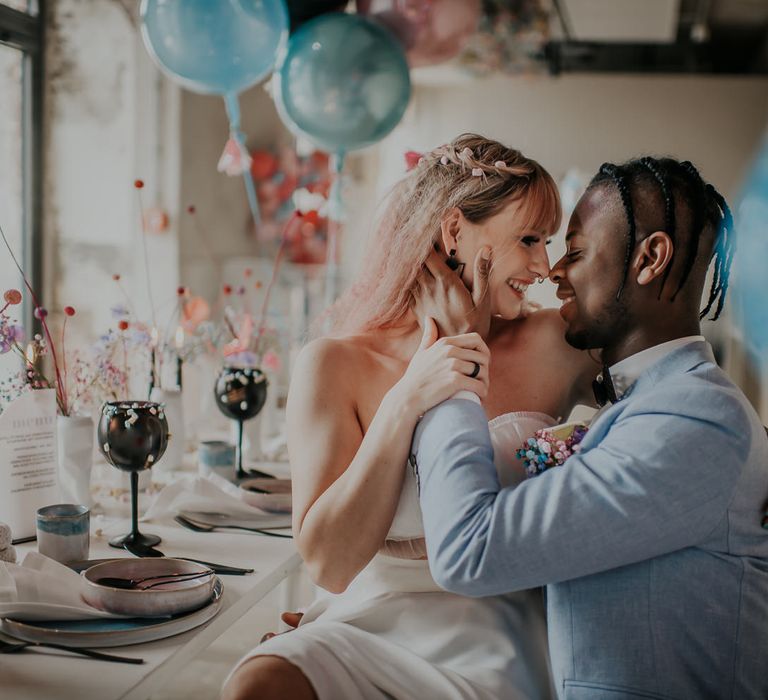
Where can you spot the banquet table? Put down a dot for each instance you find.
(45, 674)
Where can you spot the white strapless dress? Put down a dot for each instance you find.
(394, 633)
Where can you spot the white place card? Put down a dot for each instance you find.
(27, 459)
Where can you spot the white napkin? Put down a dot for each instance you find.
(209, 494)
(42, 589)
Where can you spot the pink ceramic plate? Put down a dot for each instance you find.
(277, 498)
(170, 598)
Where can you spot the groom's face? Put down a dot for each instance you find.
(589, 275)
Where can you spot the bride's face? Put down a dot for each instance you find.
(518, 257)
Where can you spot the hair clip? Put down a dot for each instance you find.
(499, 164)
(444, 160)
(412, 159)
(477, 172)
(467, 152)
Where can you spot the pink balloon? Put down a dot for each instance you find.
(431, 31)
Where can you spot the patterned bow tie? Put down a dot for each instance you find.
(603, 388)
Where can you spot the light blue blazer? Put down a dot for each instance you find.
(649, 540)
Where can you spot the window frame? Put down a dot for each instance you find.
(26, 32)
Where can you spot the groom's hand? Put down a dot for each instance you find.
(443, 296)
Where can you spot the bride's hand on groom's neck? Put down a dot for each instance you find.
(442, 295)
(439, 369)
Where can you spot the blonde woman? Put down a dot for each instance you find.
(385, 629)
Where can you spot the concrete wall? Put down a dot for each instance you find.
(110, 120)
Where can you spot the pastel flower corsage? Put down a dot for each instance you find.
(550, 447)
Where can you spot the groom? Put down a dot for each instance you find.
(649, 540)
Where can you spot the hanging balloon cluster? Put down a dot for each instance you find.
(218, 47)
(343, 83)
(341, 80)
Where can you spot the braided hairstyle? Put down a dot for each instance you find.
(670, 222)
(682, 191)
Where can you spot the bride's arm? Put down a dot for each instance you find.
(346, 485)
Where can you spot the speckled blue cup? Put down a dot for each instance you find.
(63, 531)
(216, 456)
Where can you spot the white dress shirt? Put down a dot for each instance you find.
(625, 372)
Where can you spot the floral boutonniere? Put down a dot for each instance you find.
(550, 447)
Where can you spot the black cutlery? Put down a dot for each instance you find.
(256, 474)
(140, 550)
(133, 583)
(7, 647)
(197, 526)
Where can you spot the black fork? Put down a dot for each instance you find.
(8, 647)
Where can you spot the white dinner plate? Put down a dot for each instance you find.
(262, 521)
(114, 632)
(42, 612)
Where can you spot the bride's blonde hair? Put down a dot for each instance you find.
(480, 177)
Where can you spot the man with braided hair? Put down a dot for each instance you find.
(649, 539)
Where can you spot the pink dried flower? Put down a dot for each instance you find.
(271, 361)
(12, 297)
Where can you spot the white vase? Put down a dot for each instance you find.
(74, 440)
(173, 458)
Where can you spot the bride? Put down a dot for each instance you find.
(385, 629)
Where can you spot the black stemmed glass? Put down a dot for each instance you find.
(241, 393)
(132, 437)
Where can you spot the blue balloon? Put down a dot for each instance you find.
(750, 284)
(342, 81)
(214, 46)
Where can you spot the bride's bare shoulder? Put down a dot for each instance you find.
(548, 322)
(542, 330)
(545, 325)
(332, 357)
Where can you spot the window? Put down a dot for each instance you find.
(20, 5)
(21, 54)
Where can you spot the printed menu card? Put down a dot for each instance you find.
(27, 459)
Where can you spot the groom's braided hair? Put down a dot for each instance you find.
(681, 188)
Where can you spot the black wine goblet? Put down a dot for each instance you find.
(241, 393)
(132, 437)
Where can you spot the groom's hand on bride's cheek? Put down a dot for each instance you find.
(442, 295)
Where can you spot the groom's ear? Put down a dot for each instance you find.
(652, 257)
(450, 228)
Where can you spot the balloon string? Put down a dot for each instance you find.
(233, 112)
(293, 221)
(335, 217)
